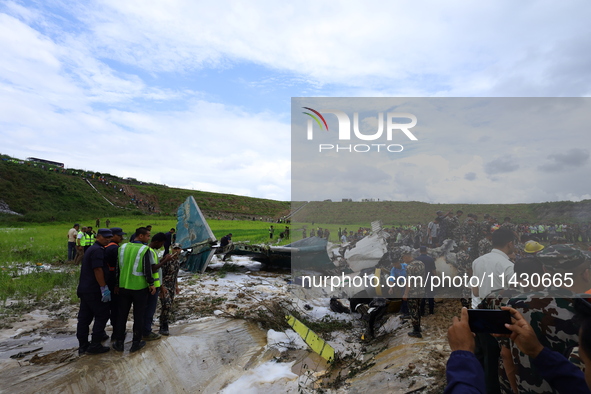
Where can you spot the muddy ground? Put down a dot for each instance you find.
(230, 332)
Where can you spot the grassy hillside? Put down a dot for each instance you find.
(67, 195)
(41, 194)
(407, 212)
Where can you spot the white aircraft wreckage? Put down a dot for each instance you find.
(329, 268)
(365, 266)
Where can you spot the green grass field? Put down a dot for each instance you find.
(47, 243)
(29, 244)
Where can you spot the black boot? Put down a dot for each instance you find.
(83, 348)
(97, 348)
(416, 332)
(164, 328)
(137, 345)
(118, 346)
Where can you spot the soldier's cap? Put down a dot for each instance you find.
(423, 248)
(533, 247)
(104, 232)
(176, 246)
(117, 231)
(438, 212)
(561, 257)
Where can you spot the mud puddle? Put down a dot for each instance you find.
(31, 344)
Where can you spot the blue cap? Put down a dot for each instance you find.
(117, 231)
(104, 232)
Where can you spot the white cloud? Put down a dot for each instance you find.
(49, 93)
(88, 84)
(393, 48)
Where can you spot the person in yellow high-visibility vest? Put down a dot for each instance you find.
(134, 282)
(88, 238)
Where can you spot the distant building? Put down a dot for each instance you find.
(368, 200)
(52, 163)
(347, 200)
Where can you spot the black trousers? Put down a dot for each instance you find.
(91, 308)
(488, 353)
(127, 298)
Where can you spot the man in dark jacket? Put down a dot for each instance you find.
(94, 296)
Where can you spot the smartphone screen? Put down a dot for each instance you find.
(491, 321)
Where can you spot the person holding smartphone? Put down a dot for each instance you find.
(465, 375)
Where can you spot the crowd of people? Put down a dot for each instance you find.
(114, 276)
(540, 273)
(109, 181)
(550, 327)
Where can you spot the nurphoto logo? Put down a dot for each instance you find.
(344, 130)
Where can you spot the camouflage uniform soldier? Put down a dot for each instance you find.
(455, 227)
(550, 313)
(485, 225)
(471, 236)
(484, 246)
(448, 226)
(170, 273)
(464, 266)
(414, 291)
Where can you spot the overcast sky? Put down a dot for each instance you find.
(467, 150)
(197, 94)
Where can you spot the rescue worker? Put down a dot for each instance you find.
(134, 282)
(88, 238)
(550, 312)
(79, 246)
(94, 296)
(170, 273)
(111, 252)
(415, 290)
(156, 243)
(72, 233)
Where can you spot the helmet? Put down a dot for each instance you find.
(533, 247)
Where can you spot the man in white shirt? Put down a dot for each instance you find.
(495, 267)
(432, 233)
(72, 234)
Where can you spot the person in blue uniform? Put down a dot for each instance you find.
(94, 296)
(111, 252)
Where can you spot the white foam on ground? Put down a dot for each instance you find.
(283, 341)
(270, 377)
(393, 323)
(321, 309)
(342, 343)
